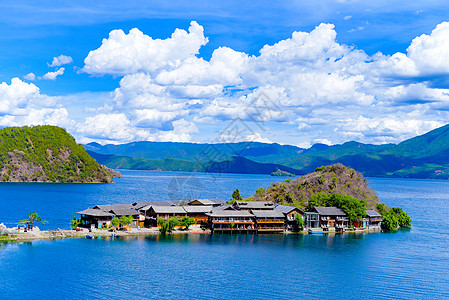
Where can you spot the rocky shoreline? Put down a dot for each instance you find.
(13, 236)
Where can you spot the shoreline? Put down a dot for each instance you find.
(59, 234)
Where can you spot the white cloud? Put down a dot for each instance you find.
(256, 137)
(22, 103)
(320, 87)
(123, 54)
(430, 52)
(30, 76)
(53, 75)
(60, 60)
(346, 18)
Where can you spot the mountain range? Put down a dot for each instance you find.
(424, 156)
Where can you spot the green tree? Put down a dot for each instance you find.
(33, 217)
(75, 222)
(390, 221)
(187, 221)
(163, 226)
(115, 222)
(236, 196)
(126, 220)
(260, 191)
(404, 220)
(172, 223)
(299, 222)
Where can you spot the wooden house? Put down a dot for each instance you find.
(154, 212)
(119, 210)
(198, 213)
(374, 219)
(290, 213)
(229, 221)
(95, 218)
(269, 220)
(312, 220)
(332, 218)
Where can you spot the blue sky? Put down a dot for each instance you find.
(370, 71)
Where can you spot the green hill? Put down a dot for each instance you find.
(330, 179)
(46, 154)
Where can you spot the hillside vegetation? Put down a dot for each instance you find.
(333, 179)
(46, 154)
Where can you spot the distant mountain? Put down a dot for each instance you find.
(259, 152)
(46, 154)
(425, 156)
(232, 165)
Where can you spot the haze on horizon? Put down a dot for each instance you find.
(296, 73)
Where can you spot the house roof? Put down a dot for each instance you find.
(125, 212)
(268, 213)
(197, 209)
(109, 207)
(224, 207)
(373, 213)
(208, 201)
(148, 204)
(287, 208)
(229, 213)
(329, 211)
(95, 212)
(168, 209)
(254, 204)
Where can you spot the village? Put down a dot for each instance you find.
(240, 217)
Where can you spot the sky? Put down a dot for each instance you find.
(294, 72)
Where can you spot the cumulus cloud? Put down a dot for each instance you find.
(22, 103)
(123, 54)
(30, 76)
(60, 60)
(53, 75)
(321, 90)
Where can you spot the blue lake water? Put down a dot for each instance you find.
(406, 264)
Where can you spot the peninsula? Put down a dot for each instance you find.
(47, 154)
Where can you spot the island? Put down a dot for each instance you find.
(281, 173)
(47, 154)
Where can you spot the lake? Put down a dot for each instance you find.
(405, 264)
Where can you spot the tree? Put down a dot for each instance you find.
(126, 220)
(404, 220)
(260, 191)
(236, 195)
(172, 223)
(299, 222)
(187, 221)
(32, 218)
(390, 221)
(115, 222)
(75, 222)
(163, 226)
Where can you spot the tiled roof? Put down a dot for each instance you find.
(95, 213)
(254, 204)
(373, 213)
(229, 213)
(268, 213)
(197, 209)
(287, 208)
(168, 209)
(330, 211)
